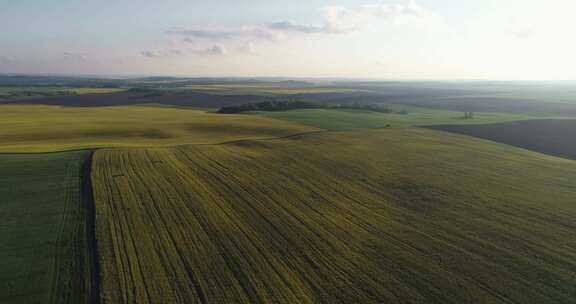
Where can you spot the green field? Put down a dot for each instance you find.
(28, 128)
(382, 216)
(45, 255)
(357, 119)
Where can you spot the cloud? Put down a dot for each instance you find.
(7, 59)
(335, 20)
(293, 27)
(215, 50)
(74, 56)
(391, 11)
(249, 31)
(189, 40)
(166, 53)
(341, 20)
(247, 48)
(524, 34)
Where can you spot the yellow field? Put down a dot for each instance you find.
(48, 128)
(382, 216)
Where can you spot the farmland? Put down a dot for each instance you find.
(27, 92)
(357, 119)
(46, 253)
(336, 204)
(396, 215)
(554, 137)
(270, 89)
(27, 128)
(541, 98)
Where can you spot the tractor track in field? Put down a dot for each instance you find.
(93, 280)
(75, 269)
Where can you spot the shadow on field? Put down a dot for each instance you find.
(92, 278)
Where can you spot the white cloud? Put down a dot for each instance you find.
(294, 27)
(334, 20)
(74, 56)
(166, 53)
(247, 48)
(526, 33)
(215, 50)
(216, 33)
(341, 20)
(189, 40)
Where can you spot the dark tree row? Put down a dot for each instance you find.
(284, 105)
(271, 106)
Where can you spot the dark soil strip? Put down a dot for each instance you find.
(93, 276)
(556, 137)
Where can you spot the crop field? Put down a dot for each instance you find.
(555, 137)
(27, 128)
(357, 119)
(373, 216)
(45, 255)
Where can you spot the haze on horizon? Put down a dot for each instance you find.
(393, 39)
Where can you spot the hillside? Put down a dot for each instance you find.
(393, 216)
(50, 128)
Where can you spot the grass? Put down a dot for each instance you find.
(356, 119)
(27, 128)
(45, 256)
(373, 216)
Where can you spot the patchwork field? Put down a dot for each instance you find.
(28, 128)
(555, 137)
(44, 228)
(382, 216)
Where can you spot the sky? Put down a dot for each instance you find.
(387, 39)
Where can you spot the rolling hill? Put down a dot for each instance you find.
(382, 216)
(27, 128)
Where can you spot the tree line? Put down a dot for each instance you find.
(285, 105)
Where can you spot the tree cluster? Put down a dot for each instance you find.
(468, 115)
(271, 106)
